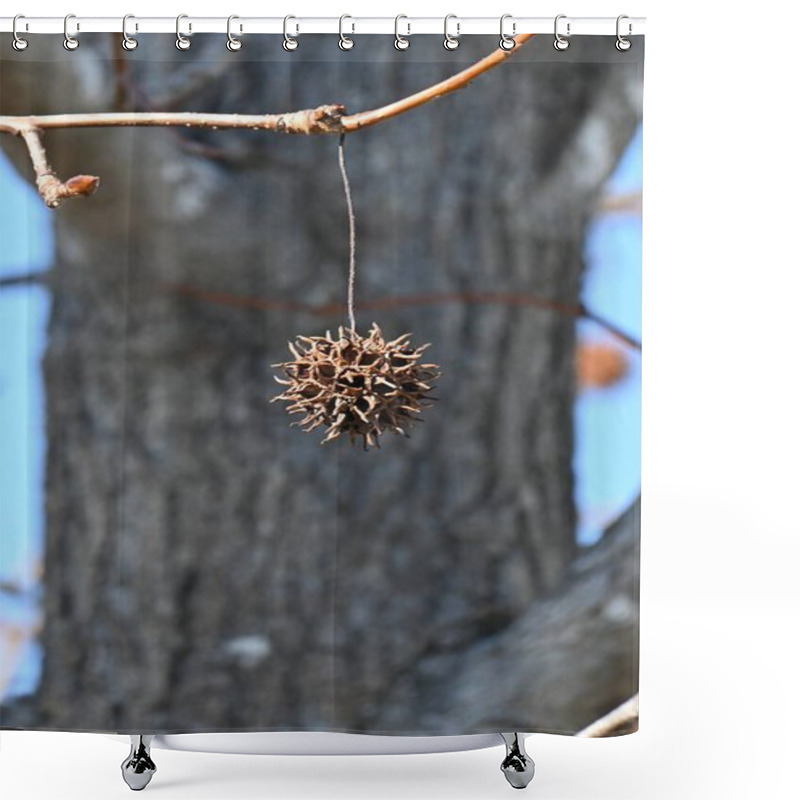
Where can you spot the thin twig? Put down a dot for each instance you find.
(52, 190)
(459, 81)
(611, 328)
(23, 280)
(623, 719)
(325, 119)
(380, 304)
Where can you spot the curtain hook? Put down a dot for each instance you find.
(345, 42)
(18, 42)
(561, 42)
(451, 42)
(289, 42)
(507, 42)
(70, 42)
(181, 42)
(233, 44)
(623, 44)
(129, 42)
(400, 42)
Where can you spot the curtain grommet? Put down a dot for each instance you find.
(70, 42)
(507, 42)
(450, 41)
(345, 42)
(401, 42)
(18, 43)
(561, 42)
(129, 42)
(233, 44)
(290, 43)
(622, 44)
(181, 41)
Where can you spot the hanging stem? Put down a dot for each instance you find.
(351, 279)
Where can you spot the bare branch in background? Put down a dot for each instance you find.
(623, 719)
(577, 641)
(23, 279)
(376, 304)
(325, 119)
(629, 203)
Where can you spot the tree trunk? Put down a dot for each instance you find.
(208, 567)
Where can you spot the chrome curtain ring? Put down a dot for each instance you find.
(623, 44)
(233, 44)
(345, 42)
(18, 43)
(451, 42)
(507, 42)
(70, 42)
(400, 42)
(561, 42)
(289, 42)
(129, 42)
(181, 42)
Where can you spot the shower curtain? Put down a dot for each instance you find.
(460, 554)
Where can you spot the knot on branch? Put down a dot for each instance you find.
(324, 119)
(53, 190)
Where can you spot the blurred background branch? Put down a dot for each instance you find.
(623, 719)
(386, 303)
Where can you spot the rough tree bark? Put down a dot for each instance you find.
(208, 567)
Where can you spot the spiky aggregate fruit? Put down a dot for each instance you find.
(357, 385)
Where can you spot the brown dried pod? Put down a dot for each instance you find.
(600, 365)
(357, 385)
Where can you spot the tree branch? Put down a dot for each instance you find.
(459, 81)
(24, 279)
(53, 190)
(326, 119)
(566, 661)
(383, 303)
(623, 719)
